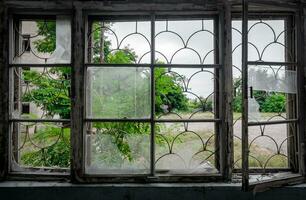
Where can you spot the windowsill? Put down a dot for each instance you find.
(67, 184)
(32, 190)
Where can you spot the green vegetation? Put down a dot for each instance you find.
(126, 141)
(55, 151)
(48, 30)
(259, 157)
(168, 92)
(51, 91)
(268, 102)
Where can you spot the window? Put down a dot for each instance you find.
(272, 114)
(26, 43)
(191, 93)
(25, 108)
(40, 91)
(147, 112)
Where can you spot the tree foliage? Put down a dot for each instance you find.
(48, 30)
(51, 92)
(168, 92)
(268, 101)
(56, 154)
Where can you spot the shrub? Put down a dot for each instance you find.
(274, 103)
(57, 154)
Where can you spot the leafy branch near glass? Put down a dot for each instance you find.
(114, 93)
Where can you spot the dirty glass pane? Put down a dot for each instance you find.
(42, 41)
(119, 42)
(272, 79)
(272, 92)
(118, 92)
(268, 145)
(40, 145)
(184, 93)
(185, 148)
(267, 41)
(41, 93)
(185, 42)
(117, 148)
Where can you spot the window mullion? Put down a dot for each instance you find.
(226, 96)
(78, 97)
(152, 117)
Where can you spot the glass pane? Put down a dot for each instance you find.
(118, 92)
(237, 101)
(184, 93)
(40, 145)
(42, 41)
(41, 93)
(268, 145)
(267, 40)
(273, 87)
(274, 91)
(120, 42)
(237, 140)
(185, 148)
(185, 42)
(272, 79)
(117, 148)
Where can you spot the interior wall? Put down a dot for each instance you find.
(65, 191)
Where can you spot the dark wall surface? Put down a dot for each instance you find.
(67, 191)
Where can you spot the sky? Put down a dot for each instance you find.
(197, 36)
(190, 41)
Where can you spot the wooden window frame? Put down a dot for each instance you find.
(80, 11)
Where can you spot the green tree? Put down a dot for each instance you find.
(51, 91)
(169, 92)
(268, 101)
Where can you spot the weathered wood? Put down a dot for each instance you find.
(244, 131)
(218, 88)
(291, 98)
(226, 144)
(152, 96)
(16, 92)
(131, 5)
(175, 8)
(303, 23)
(133, 178)
(290, 179)
(77, 94)
(300, 54)
(4, 85)
(268, 5)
